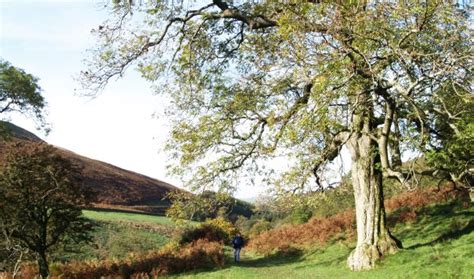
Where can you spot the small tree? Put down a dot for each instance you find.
(183, 206)
(208, 204)
(41, 195)
(20, 92)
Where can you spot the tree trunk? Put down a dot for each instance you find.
(43, 265)
(373, 237)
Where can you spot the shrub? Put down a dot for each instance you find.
(244, 224)
(406, 206)
(198, 254)
(289, 237)
(259, 227)
(227, 227)
(401, 208)
(300, 215)
(199, 247)
(217, 229)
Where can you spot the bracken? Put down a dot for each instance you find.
(401, 208)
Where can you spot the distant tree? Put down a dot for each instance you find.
(41, 196)
(240, 208)
(208, 204)
(254, 80)
(20, 92)
(184, 206)
(198, 207)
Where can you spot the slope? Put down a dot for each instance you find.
(116, 188)
(438, 243)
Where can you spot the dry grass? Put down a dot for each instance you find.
(203, 253)
(170, 259)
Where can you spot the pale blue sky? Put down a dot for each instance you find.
(49, 39)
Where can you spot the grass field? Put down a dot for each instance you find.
(121, 216)
(440, 244)
(118, 234)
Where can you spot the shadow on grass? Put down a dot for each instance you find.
(327, 263)
(450, 235)
(444, 220)
(289, 256)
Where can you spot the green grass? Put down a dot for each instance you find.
(118, 234)
(440, 244)
(121, 216)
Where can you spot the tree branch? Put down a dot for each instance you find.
(253, 21)
(330, 152)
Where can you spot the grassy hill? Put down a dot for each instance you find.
(119, 234)
(116, 188)
(435, 226)
(438, 244)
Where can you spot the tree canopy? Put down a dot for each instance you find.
(41, 196)
(299, 80)
(20, 92)
(208, 204)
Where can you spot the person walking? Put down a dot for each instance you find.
(237, 243)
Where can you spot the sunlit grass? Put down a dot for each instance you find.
(119, 234)
(440, 244)
(121, 216)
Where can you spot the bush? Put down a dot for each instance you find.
(406, 206)
(317, 230)
(259, 227)
(227, 227)
(218, 229)
(170, 259)
(244, 224)
(300, 215)
(401, 208)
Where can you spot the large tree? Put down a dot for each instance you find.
(41, 196)
(251, 81)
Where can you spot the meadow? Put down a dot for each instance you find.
(436, 228)
(118, 234)
(438, 244)
(122, 216)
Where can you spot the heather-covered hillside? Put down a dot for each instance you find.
(116, 188)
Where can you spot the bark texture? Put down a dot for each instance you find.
(373, 237)
(396, 154)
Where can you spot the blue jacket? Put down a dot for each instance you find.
(238, 242)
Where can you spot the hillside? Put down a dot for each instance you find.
(440, 244)
(116, 188)
(437, 234)
(435, 226)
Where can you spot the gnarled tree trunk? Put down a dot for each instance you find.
(373, 237)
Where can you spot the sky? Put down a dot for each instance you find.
(49, 39)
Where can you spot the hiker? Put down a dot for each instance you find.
(238, 243)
